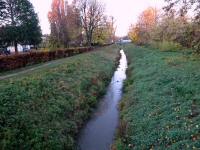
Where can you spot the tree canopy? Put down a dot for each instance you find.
(19, 23)
(92, 13)
(140, 33)
(65, 23)
(171, 28)
(78, 23)
(183, 6)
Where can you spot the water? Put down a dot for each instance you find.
(99, 132)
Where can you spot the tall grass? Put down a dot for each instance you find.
(166, 46)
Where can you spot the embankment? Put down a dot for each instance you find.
(45, 109)
(161, 103)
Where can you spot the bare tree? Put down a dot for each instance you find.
(92, 13)
(183, 6)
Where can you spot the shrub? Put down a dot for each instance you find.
(24, 59)
(166, 46)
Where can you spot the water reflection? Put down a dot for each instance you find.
(98, 134)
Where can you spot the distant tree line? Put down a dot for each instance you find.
(18, 24)
(171, 29)
(78, 23)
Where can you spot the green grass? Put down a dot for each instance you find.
(161, 104)
(166, 46)
(45, 109)
(30, 68)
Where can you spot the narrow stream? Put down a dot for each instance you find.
(99, 132)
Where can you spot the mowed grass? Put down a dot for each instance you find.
(161, 104)
(45, 109)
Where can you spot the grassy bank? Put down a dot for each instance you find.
(44, 109)
(161, 104)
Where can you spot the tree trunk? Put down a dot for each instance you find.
(88, 40)
(16, 49)
(89, 43)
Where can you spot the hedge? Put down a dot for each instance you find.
(24, 59)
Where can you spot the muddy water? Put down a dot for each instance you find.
(99, 132)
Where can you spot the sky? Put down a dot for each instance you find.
(125, 12)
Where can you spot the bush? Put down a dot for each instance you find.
(166, 46)
(24, 59)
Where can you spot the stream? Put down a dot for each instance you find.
(99, 132)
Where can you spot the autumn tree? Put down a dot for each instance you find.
(74, 24)
(65, 23)
(92, 13)
(105, 33)
(57, 19)
(134, 33)
(19, 23)
(183, 7)
(140, 33)
(174, 29)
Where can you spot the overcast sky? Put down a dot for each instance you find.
(125, 12)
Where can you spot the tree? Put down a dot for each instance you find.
(74, 24)
(174, 29)
(20, 22)
(183, 6)
(65, 23)
(92, 13)
(134, 33)
(105, 33)
(57, 19)
(111, 29)
(141, 32)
